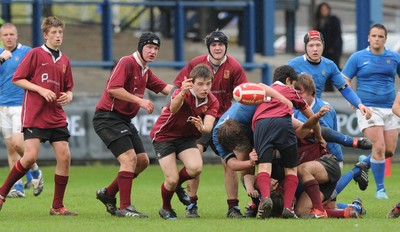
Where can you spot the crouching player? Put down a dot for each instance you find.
(318, 171)
(237, 137)
(233, 141)
(273, 129)
(318, 176)
(191, 113)
(305, 86)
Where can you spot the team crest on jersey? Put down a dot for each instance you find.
(323, 72)
(17, 58)
(388, 61)
(226, 74)
(204, 109)
(64, 68)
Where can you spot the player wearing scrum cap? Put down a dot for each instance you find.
(121, 100)
(321, 69)
(228, 73)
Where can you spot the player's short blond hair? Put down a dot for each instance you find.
(50, 22)
(8, 25)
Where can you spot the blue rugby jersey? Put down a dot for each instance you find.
(10, 94)
(329, 120)
(243, 114)
(321, 72)
(375, 76)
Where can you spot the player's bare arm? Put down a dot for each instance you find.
(241, 165)
(177, 101)
(316, 129)
(322, 112)
(47, 94)
(123, 95)
(167, 89)
(206, 126)
(249, 181)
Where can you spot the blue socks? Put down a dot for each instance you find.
(336, 137)
(378, 169)
(29, 176)
(342, 205)
(35, 172)
(346, 178)
(19, 186)
(366, 159)
(356, 207)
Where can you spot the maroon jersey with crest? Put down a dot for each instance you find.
(170, 126)
(229, 75)
(129, 74)
(40, 68)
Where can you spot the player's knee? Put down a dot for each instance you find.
(194, 171)
(301, 170)
(19, 149)
(62, 158)
(379, 147)
(128, 160)
(379, 152)
(143, 161)
(171, 182)
(29, 161)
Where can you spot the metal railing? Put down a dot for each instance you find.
(179, 28)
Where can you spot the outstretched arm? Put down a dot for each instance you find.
(241, 165)
(167, 90)
(177, 101)
(312, 124)
(348, 93)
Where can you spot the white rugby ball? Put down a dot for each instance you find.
(249, 93)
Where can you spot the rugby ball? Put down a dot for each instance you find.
(249, 93)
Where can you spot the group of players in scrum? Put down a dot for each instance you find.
(286, 150)
(277, 151)
(317, 169)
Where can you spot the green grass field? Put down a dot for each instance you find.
(32, 213)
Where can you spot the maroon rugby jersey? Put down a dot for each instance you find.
(129, 74)
(170, 126)
(309, 151)
(275, 108)
(229, 75)
(40, 68)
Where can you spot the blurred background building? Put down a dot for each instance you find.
(94, 43)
